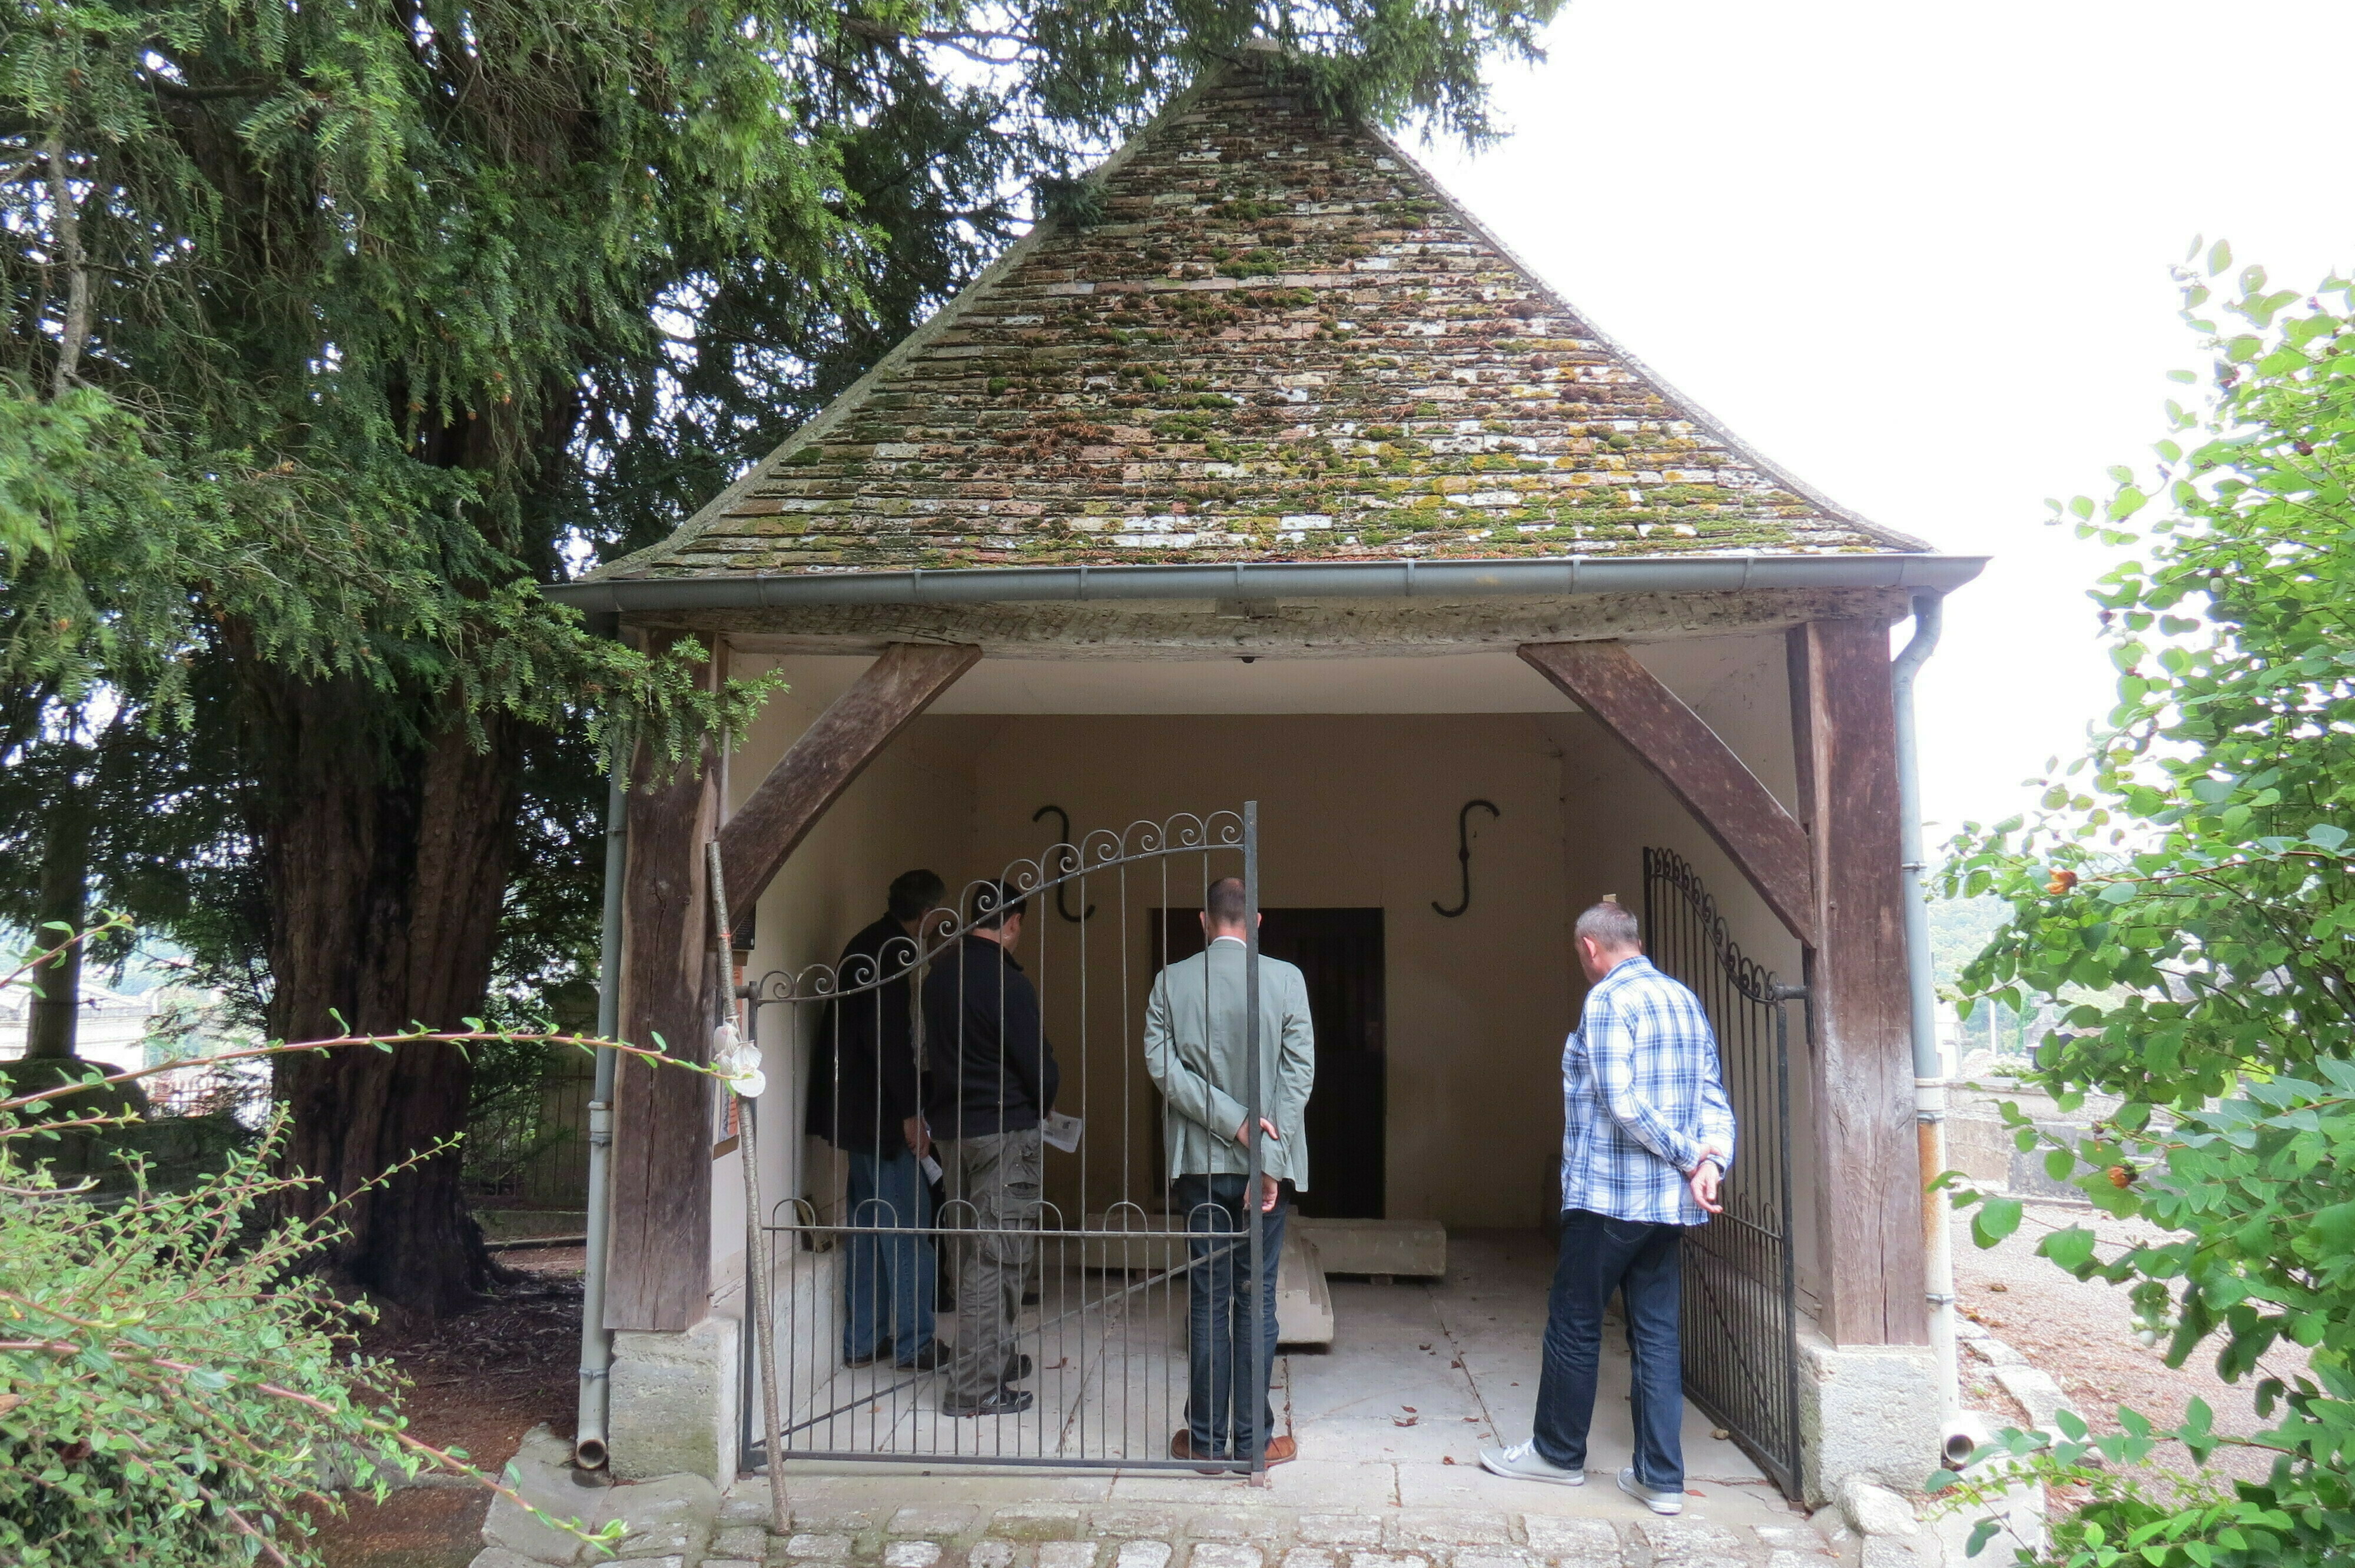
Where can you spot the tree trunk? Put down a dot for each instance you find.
(385, 875)
(50, 1033)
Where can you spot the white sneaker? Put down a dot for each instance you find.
(1659, 1502)
(1522, 1462)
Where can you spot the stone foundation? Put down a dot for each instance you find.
(673, 1402)
(1866, 1413)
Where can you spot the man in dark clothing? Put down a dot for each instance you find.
(994, 1076)
(865, 1100)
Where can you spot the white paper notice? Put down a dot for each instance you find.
(1062, 1131)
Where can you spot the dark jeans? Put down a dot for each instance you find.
(1598, 1256)
(1221, 1390)
(887, 1280)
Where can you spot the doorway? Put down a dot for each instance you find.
(1339, 954)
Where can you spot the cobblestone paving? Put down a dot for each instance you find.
(1086, 1535)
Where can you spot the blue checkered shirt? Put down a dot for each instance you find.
(1641, 1099)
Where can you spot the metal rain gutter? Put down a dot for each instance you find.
(1930, 1080)
(589, 1444)
(1538, 577)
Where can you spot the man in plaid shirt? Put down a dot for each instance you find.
(1647, 1134)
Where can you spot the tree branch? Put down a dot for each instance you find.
(68, 217)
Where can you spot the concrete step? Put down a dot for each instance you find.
(1304, 1302)
(1413, 1249)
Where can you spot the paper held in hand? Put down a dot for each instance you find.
(1062, 1131)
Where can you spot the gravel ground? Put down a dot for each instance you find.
(2082, 1335)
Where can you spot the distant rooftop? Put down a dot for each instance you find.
(1260, 336)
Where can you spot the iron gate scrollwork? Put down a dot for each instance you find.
(1099, 1341)
(1741, 1288)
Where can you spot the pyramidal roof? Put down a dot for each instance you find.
(1274, 338)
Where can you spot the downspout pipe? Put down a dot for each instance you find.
(589, 1451)
(1930, 1081)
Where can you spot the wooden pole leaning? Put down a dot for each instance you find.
(757, 1321)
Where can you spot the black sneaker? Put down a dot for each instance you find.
(930, 1356)
(1016, 1369)
(996, 1402)
(881, 1352)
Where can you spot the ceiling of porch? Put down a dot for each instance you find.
(1484, 683)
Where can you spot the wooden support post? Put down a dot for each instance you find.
(1764, 842)
(817, 768)
(659, 1272)
(1868, 1160)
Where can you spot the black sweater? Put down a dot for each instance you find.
(863, 1077)
(993, 1070)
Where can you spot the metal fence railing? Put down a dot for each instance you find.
(1741, 1288)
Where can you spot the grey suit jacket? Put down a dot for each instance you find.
(1194, 1052)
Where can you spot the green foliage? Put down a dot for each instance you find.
(2185, 896)
(177, 1382)
(173, 1387)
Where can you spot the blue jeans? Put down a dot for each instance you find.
(1221, 1388)
(888, 1281)
(1600, 1255)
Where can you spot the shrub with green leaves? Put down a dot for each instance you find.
(175, 1385)
(2184, 895)
(177, 1381)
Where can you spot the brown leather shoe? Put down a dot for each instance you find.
(1281, 1450)
(1181, 1447)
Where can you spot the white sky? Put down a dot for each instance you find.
(1918, 256)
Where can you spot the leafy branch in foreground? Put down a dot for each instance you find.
(177, 1382)
(174, 1385)
(2184, 897)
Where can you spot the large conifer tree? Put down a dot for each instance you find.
(333, 330)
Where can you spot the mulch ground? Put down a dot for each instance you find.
(478, 1381)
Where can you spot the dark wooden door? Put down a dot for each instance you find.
(1340, 953)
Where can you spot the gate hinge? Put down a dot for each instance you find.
(1926, 1117)
(1936, 1301)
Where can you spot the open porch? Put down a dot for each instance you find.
(1582, 756)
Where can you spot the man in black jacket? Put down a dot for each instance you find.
(866, 1100)
(994, 1076)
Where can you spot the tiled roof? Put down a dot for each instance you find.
(1278, 339)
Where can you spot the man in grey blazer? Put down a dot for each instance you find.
(1195, 1050)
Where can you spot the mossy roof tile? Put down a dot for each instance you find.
(1281, 340)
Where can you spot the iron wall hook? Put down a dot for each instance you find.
(1463, 854)
(1062, 889)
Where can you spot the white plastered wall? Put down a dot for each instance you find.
(911, 807)
(1358, 809)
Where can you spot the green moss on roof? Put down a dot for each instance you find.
(1278, 340)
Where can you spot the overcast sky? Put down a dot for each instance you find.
(1918, 257)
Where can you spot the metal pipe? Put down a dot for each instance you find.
(1550, 576)
(596, 1340)
(1930, 1082)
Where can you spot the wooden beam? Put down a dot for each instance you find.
(659, 1272)
(1869, 1172)
(1765, 842)
(817, 768)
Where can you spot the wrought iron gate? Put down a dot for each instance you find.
(1100, 1340)
(1741, 1291)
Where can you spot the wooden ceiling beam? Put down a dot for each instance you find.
(1765, 842)
(817, 768)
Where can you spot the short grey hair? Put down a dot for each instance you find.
(1611, 925)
